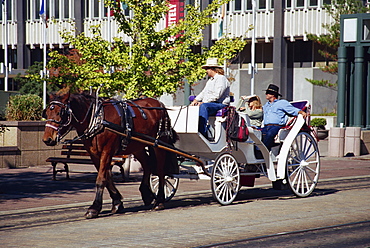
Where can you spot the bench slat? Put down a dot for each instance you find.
(69, 160)
(76, 149)
(75, 153)
(72, 147)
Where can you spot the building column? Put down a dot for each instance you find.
(342, 59)
(21, 36)
(280, 50)
(359, 68)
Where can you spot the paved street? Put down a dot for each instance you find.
(38, 212)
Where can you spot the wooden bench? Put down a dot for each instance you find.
(75, 153)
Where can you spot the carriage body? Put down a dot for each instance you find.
(295, 161)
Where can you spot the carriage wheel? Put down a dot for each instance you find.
(303, 165)
(225, 179)
(170, 186)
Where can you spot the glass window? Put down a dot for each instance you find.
(249, 4)
(9, 10)
(66, 9)
(326, 1)
(288, 3)
(313, 3)
(261, 4)
(272, 4)
(87, 8)
(37, 9)
(238, 5)
(96, 8)
(300, 3)
(56, 9)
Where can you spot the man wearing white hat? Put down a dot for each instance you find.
(214, 96)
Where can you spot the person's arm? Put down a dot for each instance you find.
(240, 105)
(290, 109)
(254, 114)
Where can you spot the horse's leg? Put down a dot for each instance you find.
(146, 193)
(103, 178)
(117, 205)
(161, 159)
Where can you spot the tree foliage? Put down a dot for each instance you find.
(156, 62)
(32, 83)
(331, 40)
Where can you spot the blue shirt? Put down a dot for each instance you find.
(276, 112)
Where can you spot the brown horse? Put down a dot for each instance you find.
(146, 116)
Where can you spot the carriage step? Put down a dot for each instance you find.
(280, 184)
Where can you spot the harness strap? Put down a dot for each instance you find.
(51, 126)
(139, 108)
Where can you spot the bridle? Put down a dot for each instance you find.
(66, 114)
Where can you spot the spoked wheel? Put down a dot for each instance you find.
(303, 165)
(170, 186)
(225, 179)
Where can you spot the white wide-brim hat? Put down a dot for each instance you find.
(211, 62)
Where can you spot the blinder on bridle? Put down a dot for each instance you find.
(65, 114)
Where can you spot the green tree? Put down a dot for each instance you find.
(32, 83)
(157, 61)
(331, 40)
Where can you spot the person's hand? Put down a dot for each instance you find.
(246, 98)
(195, 103)
(304, 114)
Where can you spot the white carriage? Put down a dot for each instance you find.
(293, 162)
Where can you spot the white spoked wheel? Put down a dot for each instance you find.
(170, 186)
(225, 179)
(303, 165)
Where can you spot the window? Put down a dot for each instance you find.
(288, 4)
(248, 5)
(66, 9)
(238, 5)
(9, 10)
(313, 3)
(300, 3)
(56, 9)
(36, 9)
(261, 4)
(95, 7)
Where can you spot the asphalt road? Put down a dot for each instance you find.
(194, 219)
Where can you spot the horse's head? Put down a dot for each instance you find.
(58, 119)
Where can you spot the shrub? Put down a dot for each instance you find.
(318, 122)
(24, 108)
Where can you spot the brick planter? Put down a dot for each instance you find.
(22, 145)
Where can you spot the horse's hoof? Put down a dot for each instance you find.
(148, 201)
(118, 208)
(147, 195)
(91, 213)
(159, 206)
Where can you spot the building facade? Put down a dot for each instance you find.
(283, 54)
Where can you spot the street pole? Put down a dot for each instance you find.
(43, 23)
(253, 46)
(5, 42)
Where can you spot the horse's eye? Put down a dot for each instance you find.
(52, 107)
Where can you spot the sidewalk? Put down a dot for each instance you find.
(33, 187)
